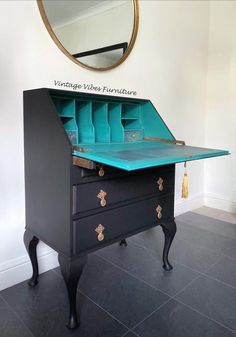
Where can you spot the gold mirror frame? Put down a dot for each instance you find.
(63, 49)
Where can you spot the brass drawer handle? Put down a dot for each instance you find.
(100, 228)
(158, 210)
(160, 184)
(101, 195)
(101, 171)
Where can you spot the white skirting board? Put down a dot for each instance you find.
(185, 205)
(18, 270)
(215, 201)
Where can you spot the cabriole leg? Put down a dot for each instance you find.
(123, 242)
(169, 230)
(71, 271)
(31, 242)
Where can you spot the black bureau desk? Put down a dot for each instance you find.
(98, 169)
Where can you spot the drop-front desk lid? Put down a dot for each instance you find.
(126, 133)
(144, 154)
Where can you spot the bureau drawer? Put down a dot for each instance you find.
(102, 194)
(97, 230)
(82, 175)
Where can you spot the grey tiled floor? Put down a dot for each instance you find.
(125, 291)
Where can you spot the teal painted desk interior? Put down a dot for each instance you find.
(112, 130)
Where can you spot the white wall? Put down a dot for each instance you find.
(168, 65)
(220, 174)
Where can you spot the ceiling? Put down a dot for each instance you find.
(69, 9)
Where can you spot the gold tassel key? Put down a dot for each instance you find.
(185, 183)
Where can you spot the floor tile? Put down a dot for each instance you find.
(216, 214)
(47, 295)
(182, 251)
(122, 295)
(57, 270)
(44, 309)
(130, 334)
(231, 252)
(10, 325)
(177, 320)
(155, 232)
(94, 322)
(225, 271)
(212, 298)
(146, 266)
(213, 225)
(206, 239)
(201, 244)
(193, 256)
(152, 238)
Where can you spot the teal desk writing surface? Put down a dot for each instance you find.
(114, 130)
(144, 154)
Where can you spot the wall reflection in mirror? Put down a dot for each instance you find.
(97, 33)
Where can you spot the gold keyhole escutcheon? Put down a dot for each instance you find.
(160, 184)
(158, 210)
(102, 195)
(100, 229)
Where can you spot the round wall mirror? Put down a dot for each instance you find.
(96, 34)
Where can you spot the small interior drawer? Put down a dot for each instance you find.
(121, 221)
(105, 193)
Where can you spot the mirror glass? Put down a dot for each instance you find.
(97, 34)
